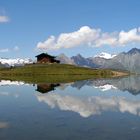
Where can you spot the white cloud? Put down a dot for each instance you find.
(90, 37)
(48, 44)
(85, 35)
(4, 50)
(130, 36)
(106, 39)
(4, 19)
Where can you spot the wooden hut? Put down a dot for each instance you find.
(46, 58)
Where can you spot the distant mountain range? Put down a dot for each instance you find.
(5, 62)
(129, 61)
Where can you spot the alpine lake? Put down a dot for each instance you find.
(98, 109)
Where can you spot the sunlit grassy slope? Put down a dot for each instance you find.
(54, 73)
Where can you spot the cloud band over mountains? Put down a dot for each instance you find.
(90, 37)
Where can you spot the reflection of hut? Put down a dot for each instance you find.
(44, 88)
(46, 58)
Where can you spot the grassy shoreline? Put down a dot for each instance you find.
(55, 73)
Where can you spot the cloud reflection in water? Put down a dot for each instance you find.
(94, 105)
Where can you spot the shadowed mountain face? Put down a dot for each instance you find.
(124, 61)
(64, 59)
(80, 60)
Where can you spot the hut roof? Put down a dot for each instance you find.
(45, 55)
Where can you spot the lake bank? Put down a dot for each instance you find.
(53, 73)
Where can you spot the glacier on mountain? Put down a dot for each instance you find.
(15, 62)
(105, 55)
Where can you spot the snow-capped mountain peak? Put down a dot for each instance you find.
(15, 62)
(105, 55)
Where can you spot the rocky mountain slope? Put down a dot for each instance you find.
(123, 61)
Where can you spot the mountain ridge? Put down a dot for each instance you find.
(123, 61)
(128, 61)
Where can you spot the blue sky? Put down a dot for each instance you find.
(29, 22)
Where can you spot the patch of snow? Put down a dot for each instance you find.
(105, 55)
(15, 62)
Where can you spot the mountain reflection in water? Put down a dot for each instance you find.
(130, 84)
(95, 105)
(82, 110)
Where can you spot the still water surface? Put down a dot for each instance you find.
(83, 110)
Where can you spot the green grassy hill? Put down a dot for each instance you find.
(53, 73)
